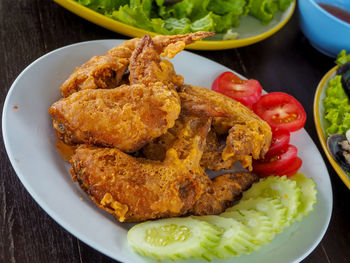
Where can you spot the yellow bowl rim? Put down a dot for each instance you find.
(131, 31)
(319, 129)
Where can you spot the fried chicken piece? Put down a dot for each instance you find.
(169, 46)
(138, 189)
(211, 158)
(146, 66)
(127, 117)
(249, 137)
(101, 72)
(212, 155)
(156, 150)
(225, 190)
(106, 71)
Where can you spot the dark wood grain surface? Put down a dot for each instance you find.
(31, 28)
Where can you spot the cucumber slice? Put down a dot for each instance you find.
(272, 208)
(259, 224)
(174, 238)
(236, 238)
(308, 194)
(281, 188)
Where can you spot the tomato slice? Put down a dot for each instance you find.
(281, 111)
(247, 92)
(277, 163)
(280, 139)
(292, 169)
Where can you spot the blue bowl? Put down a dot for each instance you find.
(326, 33)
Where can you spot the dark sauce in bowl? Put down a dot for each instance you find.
(337, 12)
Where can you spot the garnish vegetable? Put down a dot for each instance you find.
(188, 15)
(268, 207)
(246, 92)
(277, 163)
(337, 108)
(281, 111)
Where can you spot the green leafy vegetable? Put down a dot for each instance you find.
(264, 10)
(342, 58)
(103, 6)
(337, 108)
(188, 15)
(222, 7)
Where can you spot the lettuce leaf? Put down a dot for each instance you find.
(137, 13)
(187, 15)
(342, 58)
(264, 10)
(284, 4)
(223, 7)
(337, 108)
(103, 6)
(178, 26)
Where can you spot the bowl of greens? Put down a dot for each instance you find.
(332, 116)
(236, 23)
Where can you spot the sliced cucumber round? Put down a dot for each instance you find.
(308, 194)
(236, 238)
(281, 188)
(272, 208)
(174, 238)
(259, 224)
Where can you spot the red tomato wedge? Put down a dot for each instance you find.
(247, 92)
(277, 163)
(281, 111)
(280, 139)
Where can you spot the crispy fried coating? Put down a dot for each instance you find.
(106, 71)
(169, 46)
(212, 155)
(126, 118)
(223, 192)
(111, 119)
(101, 72)
(138, 189)
(146, 66)
(249, 137)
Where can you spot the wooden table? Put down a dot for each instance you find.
(31, 28)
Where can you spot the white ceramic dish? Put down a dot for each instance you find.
(31, 146)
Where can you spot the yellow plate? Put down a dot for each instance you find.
(320, 125)
(250, 31)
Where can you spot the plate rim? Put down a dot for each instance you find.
(51, 212)
(320, 133)
(131, 31)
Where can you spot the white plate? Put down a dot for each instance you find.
(31, 146)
